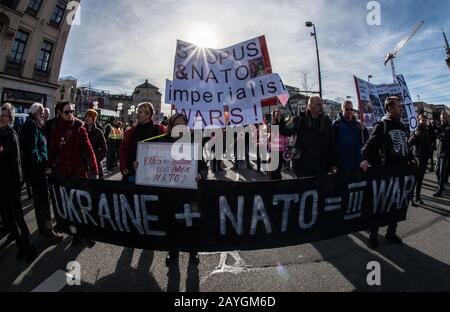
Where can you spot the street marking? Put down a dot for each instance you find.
(54, 283)
(361, 244)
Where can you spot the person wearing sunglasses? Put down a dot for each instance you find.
(11, 185)
(70, 151)
(350, 136)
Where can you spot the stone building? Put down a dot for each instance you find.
(33, 36)
(145, 92)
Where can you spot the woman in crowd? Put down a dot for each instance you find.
(11, 184)
(70, 153)
(145, 129)
(96, 138)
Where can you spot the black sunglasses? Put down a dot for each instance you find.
(68, 112)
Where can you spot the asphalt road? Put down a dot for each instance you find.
(422, 263)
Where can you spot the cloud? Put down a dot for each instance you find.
(121, 43)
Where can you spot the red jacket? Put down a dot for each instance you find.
(127, 152)
(69, 150)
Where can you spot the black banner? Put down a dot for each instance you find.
(225, 215)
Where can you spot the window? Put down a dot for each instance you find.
(44, 56)
(10, 3)
(33, 7)
(18, 47)
(58, 13)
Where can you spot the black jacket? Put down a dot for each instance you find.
(10, 163)
(98, 142)
(315, 146)
(422, 142)
(388, 144)
(444, 142)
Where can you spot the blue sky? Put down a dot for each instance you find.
(121, 43)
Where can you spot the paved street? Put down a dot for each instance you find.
(421, 264)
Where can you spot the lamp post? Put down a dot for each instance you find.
(119, 108)
(314, 34)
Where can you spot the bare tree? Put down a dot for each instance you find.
(305, 84)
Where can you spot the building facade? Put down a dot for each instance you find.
(145, 92)
(33, 36)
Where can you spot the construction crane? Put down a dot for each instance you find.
(447, 48)
(391, 56)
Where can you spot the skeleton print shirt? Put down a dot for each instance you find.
(388, 144)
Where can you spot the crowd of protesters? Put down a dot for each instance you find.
(69, 147)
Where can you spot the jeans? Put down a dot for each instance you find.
(442, 173)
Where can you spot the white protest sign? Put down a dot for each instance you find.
(245, 60)
(407, 101)
(167, 165)
(206, 82)
(372, 98)
(189, 93)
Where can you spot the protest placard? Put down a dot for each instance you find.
(167, 165)
(372, 97)
(207, 82)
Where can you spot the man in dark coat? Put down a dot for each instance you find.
(10, 186)
(314, 147)
(389, 138)
(422, 143)
(443, 154)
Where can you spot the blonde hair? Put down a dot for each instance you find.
(10, 108)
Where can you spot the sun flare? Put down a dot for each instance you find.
(203, 37)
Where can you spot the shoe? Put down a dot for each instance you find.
(414, 203)
(76, 240)
(419, 201)
(438, 194)
(32, 255)
(20, 254)
(393, 239)
(194, 258)
(171, 258)
(90, 243)
(373, 242)
(54, 238)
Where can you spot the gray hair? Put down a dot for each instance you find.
(148, 107)
(10, 108)
(36, 107)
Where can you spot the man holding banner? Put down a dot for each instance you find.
(314, 148)
(144, 130)
(171, 137)
(388, 141)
